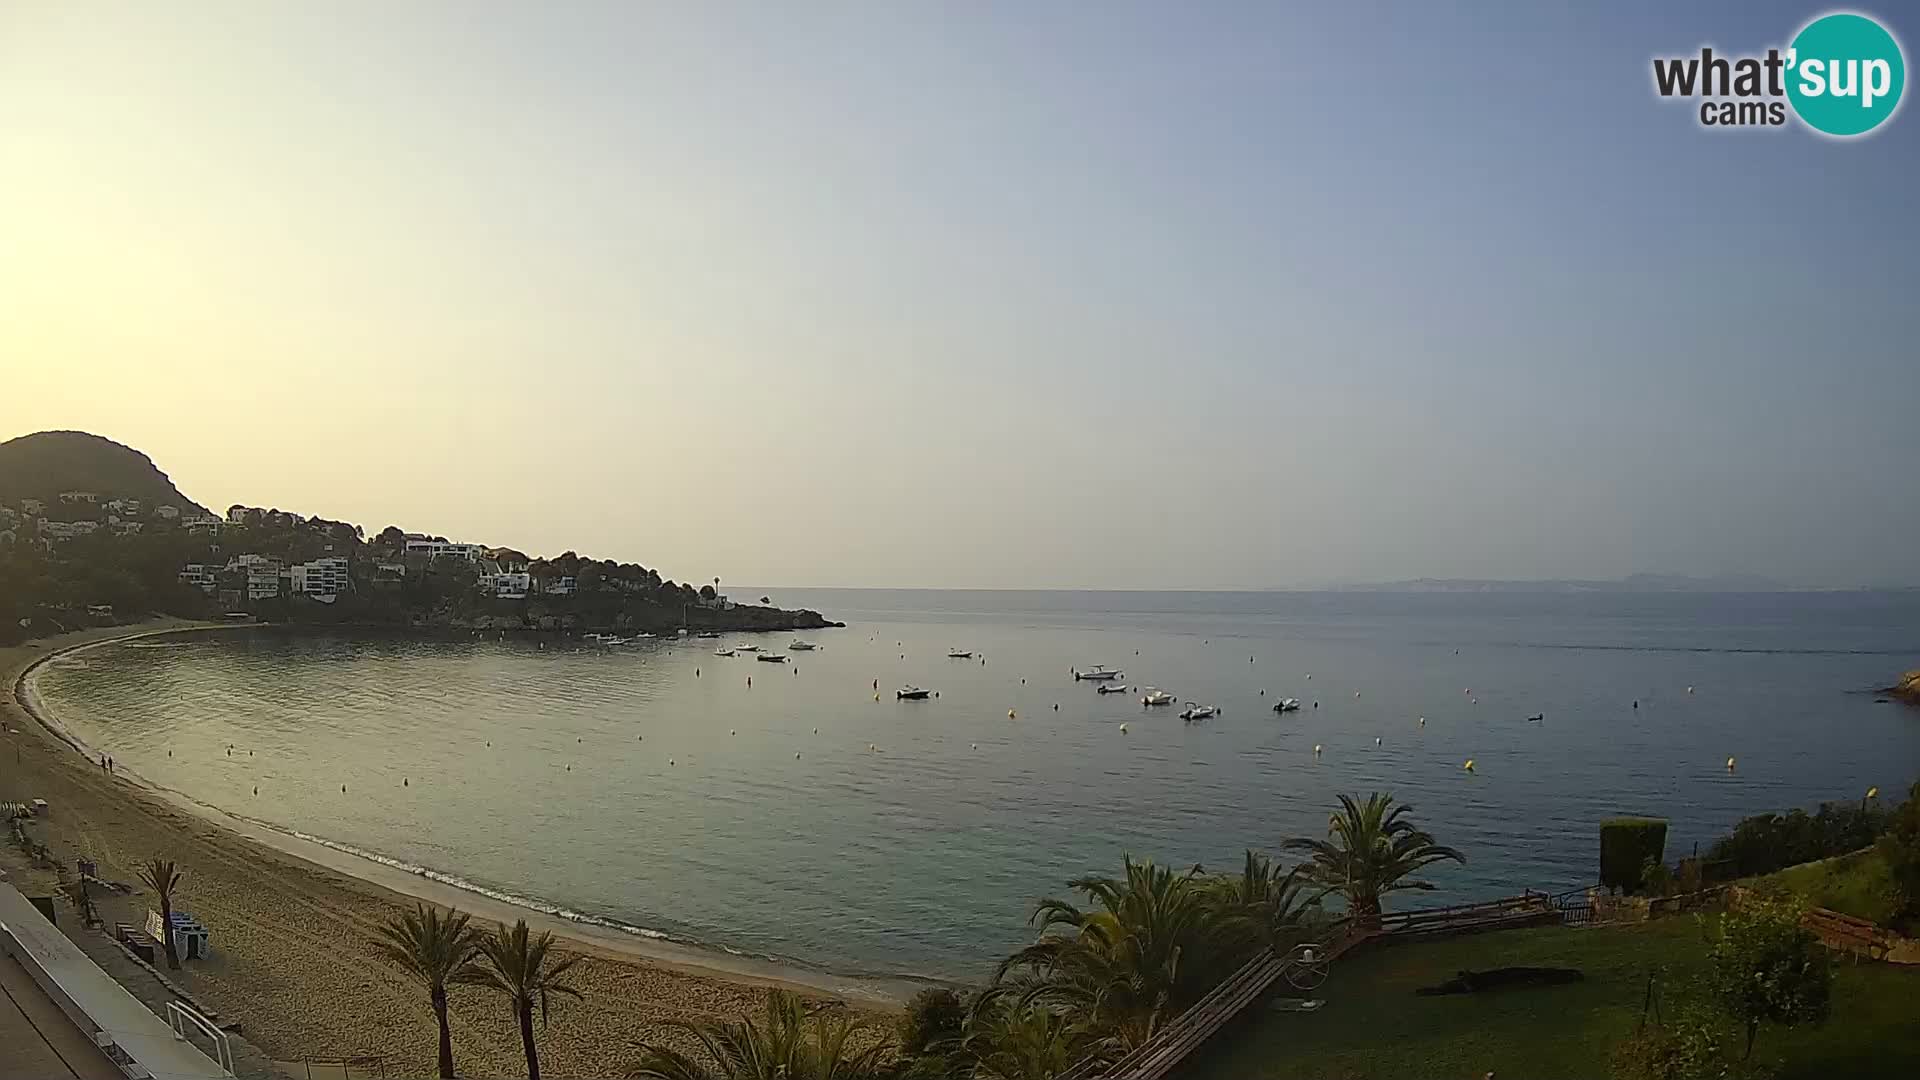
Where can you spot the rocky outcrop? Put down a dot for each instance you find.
(1908, 688)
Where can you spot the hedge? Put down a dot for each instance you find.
(1626, 844)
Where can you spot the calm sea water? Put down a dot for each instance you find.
(650, 786)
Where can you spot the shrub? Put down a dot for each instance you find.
(1767, 842)
(1900, 848)
(1625, 846)
(934, 1016)
(1766, 968)
(1656, 879)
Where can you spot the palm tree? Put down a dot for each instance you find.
(1370, 851)
(1269, 904)
(1008, 1039)
(518, 966)
(1151, 944)
(163, 877)
(438, 950)
(785, 1048)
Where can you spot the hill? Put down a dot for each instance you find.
(42, 465)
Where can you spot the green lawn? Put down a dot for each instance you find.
(1373, 1027)
(1858, 884)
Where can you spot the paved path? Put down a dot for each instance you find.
(39, 1039)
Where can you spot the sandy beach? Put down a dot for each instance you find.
(291, 922)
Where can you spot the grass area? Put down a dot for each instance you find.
(1373, 1027)
(1858, 884)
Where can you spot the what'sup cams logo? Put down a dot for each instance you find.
(1842, 76)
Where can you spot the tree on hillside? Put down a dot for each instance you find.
(1371, 850)
(1767, 968)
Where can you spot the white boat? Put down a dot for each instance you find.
(1099, 673)
(1157, 697)
(746, 648)
(1291, 704)
(911, 693)
(1198, 712)
(606, 639)
(960, 654)
(723, 652)
(801, 646)
(772, 658)
(1110, 688)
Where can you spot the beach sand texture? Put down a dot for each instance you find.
(294, 965)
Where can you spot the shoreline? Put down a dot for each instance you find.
(287, 911)
(426, 884)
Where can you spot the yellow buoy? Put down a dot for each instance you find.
(1469, 765)
(1873, 793)
(796, 755)
(1729, 764)
(1356, 693)
(669, 761)
(1316, 749)
(1423, 721)
(975, 746)
(1689, 689)
(816, 731)
(1123, 729)
(1376, 740)
(732, 731)
(1009, 714)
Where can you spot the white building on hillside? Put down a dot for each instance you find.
(32, 507)
(321, 579)
(508, 584)
(167, 513)
(66, 530)
(79, 497)
(263, 575)
(434, 549)
(202, 576)
(560, 586)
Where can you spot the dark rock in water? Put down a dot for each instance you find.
(1907, 689)
(1473, 982)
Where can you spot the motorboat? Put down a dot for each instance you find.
(1110, 688)
(801, 646)
(723, 652)
(1099, 673)
(746, 648)
(1157, 697)
(911, 693)
(1291, 704)
(772, 658)
(708, 634)
(606, 639)
(1198, 712)
(959, 654)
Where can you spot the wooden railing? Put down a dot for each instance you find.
(1160, 1055)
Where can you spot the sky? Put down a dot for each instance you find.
(973, 295)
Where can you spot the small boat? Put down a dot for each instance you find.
(723, 652)
(1291, 704)
(1536, 718)
(1157, 697)
(1099, 673)
(959, 654)
(801, 646)
(772, 658)
(708, 634)
(911, 693)
(1110, 688)
(1197, 712)
(746, 648)
(606, 639)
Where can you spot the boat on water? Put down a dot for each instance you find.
(723, 652)
(708, 634)
(801, 646)
(1291, 704)
(1098, 673)
(772, 658)
(1195, 711)
(607, 639)
(746, 648)
(911, 693)
(1110, 688)
(1157, 697)
(959, 654)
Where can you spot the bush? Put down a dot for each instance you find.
(1767, 842)
(1766, 968)
(934, 1016)
(1626, 844)
(1900, 849)
(1691, 1048)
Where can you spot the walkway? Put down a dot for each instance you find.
(39, 1040)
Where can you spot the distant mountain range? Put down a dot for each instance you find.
(42, 465)
(1633, 583)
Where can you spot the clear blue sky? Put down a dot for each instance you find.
(997, 295)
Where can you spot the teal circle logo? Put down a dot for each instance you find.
(1845, 74)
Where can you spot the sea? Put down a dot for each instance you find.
(802, 812)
